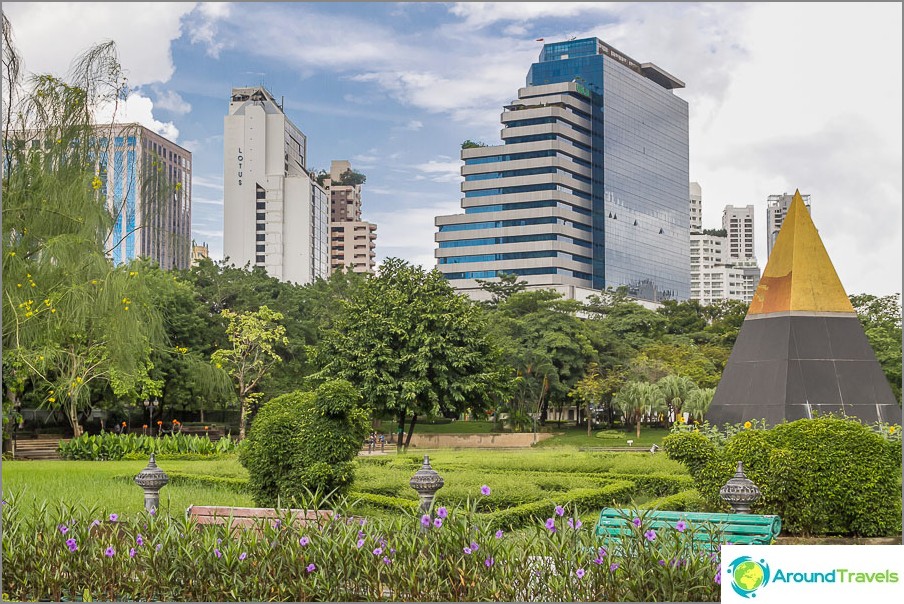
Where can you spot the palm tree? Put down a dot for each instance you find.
(698, 402)
(637, 399)
(675, 389)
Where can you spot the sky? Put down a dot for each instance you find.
(781, 96)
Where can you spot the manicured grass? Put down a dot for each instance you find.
(577, 437)
(106, 484)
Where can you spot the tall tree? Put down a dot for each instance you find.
(698, 401)
(501, 290)
(589, 390)
(412, 346)
(73, 324)
(638, 399)
(881, 320)
(254, 337)
(675, 389)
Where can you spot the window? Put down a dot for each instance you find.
(259, 227)
(261, 216)
(261, 194)
(259, 259)
(260, 236)
(261, 205)
(260, 248)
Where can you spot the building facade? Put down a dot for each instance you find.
(696, 207)
(146, 179)
(275, 214)
(776, 210)
(738, 224)
(199, 252)
(352, 240)
(588, 190)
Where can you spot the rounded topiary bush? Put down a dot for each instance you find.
(822, 476)
(304, 442)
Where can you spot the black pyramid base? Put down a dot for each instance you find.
(793, 367)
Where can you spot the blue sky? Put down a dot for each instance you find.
(781, 97)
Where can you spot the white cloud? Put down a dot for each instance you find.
(136, 108)
(414, 125)
(441, 171)
(215, 183)
(483, 14)
(203, 26)
(410, 233)
(142, 32)
(170, 100)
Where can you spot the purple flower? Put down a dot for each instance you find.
(441, 512)
(386, 560)
(485, 490)
(551, 524)
(650, 535)
(360, 534)
(613, 567)
(560, 511)
(602, 552)
(71, 544)
(597, 560)
(680, 526)
(110, 552)
(139, 540)
(425, 520)
(488, 562)
(719, 578)
(311, 567)
(219, 541)
(95, 523)
(159, 547)
(114, 517)
(63, 529)
(662, 563)
(153, 511)
(378, 551)
(217, 552)
(363, 521)
(474, 546)
(467, 550)
(636, 521)
(580, 573)
(131, 552)
(499, 534)
(242, 556)
(391, 550)
(303, 541)
(360, 543)
(438, 522)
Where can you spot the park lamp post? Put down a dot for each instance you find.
(426, 481)
(151, 406)
(739, 492)
(152, 479)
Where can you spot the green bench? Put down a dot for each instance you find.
(708, 530)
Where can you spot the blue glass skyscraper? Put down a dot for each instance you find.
(589, 189)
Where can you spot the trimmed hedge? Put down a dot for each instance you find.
(521, 515)
(304, 442)
(823, 476)
(685, 501)
(393, 504)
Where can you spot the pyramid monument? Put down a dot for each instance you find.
(801, 351)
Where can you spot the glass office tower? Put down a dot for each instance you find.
(588, 190)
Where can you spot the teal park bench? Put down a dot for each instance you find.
(708, 530)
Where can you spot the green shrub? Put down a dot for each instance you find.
(822, 476)
(304, 441)
(685, 501)
(393, 504)
(108, 446)
(522, 515)
(610, 434)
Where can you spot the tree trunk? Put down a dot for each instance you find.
(202, 415)
(588, 418)
(400, 431)
(638, 426)
(410, 431)
(242, 416)
(72, 416)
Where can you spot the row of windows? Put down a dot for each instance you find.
(526, 205)
(514, 256)
(498, 224)
(521, 272)
(491, 159)
(511, 173)
(545, 120)
(527, 189)
(533, 138)
(513, 239)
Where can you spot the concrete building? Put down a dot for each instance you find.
(776, 209)
(696, 207)
(147, 182)
(275, 214)
(352, 240)
(588, 190)
(198, 252)
(738, 224)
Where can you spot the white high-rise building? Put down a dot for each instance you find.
(776, 208)
(696, 207)
(738, 224)
(275, 215)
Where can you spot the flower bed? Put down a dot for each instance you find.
(72, 552)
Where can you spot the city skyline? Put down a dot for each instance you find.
(780, 98)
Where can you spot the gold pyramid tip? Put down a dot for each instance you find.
(799, 275)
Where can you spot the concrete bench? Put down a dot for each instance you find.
(708, 530)
(254, 517)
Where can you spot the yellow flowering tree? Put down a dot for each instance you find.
(73, 323)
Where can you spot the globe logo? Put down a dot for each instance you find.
(748, 575)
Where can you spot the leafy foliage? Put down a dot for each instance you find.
(822, 476)
(304, 441)
(108, 446)
(881, 320)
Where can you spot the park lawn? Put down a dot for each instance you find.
(577, 437)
